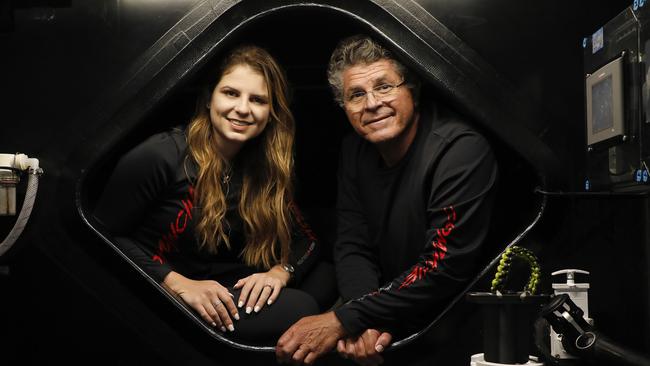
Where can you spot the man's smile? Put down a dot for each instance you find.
(376, 119)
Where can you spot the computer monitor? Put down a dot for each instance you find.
(604, 89)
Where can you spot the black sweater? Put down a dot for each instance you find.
(409, 236)
(148, 207)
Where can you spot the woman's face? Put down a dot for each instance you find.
(239, 108)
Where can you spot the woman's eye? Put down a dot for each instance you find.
(230, 93)
(258, 100)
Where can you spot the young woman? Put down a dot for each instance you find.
(207, 210)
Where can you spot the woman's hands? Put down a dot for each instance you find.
(261, 288)
(215, 304)
(212, 301)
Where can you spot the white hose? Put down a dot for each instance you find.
(25, 212)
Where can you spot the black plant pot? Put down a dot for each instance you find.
(507, 324)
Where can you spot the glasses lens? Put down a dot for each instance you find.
(357, 98)
(382, 92)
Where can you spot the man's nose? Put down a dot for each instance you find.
(371, 101)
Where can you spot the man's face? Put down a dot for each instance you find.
(377, 118)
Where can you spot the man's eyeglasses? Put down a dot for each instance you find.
(380, 92)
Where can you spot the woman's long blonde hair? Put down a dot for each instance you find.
(267, 168)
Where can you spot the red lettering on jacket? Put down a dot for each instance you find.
(300, 220)
(439, 246)
(167, 241)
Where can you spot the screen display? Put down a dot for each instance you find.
(602, 109)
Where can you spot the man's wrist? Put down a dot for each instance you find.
(338, 326)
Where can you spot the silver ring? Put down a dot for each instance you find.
(271, 287)
(217, 302)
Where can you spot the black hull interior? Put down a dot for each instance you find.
(98, 304)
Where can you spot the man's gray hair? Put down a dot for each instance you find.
(363, 50)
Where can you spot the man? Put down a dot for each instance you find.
(414, 201)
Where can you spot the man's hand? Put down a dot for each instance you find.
(366, 348)
(309, 338)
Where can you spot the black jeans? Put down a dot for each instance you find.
(315, 294)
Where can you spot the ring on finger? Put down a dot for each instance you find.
(217, 302)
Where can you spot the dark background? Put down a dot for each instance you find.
(63, 296)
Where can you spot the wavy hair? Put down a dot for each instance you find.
(363, 50)
(267, 169)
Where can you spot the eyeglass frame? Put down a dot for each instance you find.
(347, 101)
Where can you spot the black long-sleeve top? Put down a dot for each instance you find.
(409, 236)
(148, 207)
